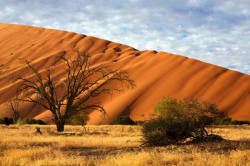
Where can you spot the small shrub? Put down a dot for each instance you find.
(240, 122)
(124, 120)
(222, 121)
(7, 121)
(174, 121)
(228, 121)
(78, 119)
(34, 121)
(165, 131)
(23, 121)
(20, 121)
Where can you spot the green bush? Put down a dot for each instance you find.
(174, 121)
(23, 121)
(124, 120)
(165, 131)
(78, 119)
(228, 121)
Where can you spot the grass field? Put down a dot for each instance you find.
(116, 145)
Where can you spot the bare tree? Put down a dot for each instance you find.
(13, 106)
(81, 82)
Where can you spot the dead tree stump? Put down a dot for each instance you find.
(38, 130)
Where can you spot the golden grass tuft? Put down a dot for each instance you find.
(116, 145)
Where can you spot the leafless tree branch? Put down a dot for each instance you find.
(81, 83)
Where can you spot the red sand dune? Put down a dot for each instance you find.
(157, 74)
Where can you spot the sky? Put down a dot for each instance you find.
(213, 31)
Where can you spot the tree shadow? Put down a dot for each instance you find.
(217, 147)
(98, 151)
(224, 146)
(52, 133)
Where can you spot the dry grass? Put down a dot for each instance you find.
(117, 146)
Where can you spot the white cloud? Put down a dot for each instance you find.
(215, 31)
(196, 3)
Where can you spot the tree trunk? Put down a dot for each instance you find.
(60, 126)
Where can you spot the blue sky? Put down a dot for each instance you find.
(214, 31)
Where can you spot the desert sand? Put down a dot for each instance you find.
(157, 74)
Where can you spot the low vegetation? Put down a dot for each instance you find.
(21, 121)
(78, 119)
(228, 121)
(7, 121)
(116, 145)
(189, 128)
(175, 121)
(124, 120)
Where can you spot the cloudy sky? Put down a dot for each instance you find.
(214, 31)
